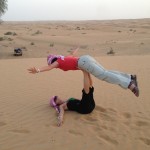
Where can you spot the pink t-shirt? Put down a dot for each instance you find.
(69, 63)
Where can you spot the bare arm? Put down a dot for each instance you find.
(33, 70)
(62, 108)
(73, 52)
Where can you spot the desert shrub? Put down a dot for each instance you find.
(6, 38)
(32, 43)
(84, 46)
(77, 28)
(10, 39)
(10, 33)
(111, 52)
(51, 45)
(2, 39)
(37, 32)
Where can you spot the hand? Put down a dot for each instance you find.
(33, 70)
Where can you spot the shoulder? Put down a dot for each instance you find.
(64, 106)
(55, 64)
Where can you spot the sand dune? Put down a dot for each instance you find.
(120, 120)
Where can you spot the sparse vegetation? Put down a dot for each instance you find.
(32, 43)
(5, 38)
(2, 39)
(51, 45)
(77, 28)
(131, 30)
(111, 52)
(10, 33)
(84, 46)
(37, 32)
(10, 39)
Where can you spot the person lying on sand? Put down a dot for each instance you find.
(84, 106)
(90, 65)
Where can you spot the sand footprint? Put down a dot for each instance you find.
(126, 115)
(2, 124)
(145, 140)
(111, 110)
(106, 114)
(91, 119)
(126, 118)
(108, 139)
(141, 116)
(74, 132)
(142, 123)
(101, 109)
(20, 131)
(107, 117)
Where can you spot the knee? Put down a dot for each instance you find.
(101, 75)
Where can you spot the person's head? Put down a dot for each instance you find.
(59, 101)
(51, 59)
(56, 101)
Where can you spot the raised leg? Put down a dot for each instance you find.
(86, 82)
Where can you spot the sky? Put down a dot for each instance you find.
(38, 10)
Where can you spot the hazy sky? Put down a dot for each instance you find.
(31, 10)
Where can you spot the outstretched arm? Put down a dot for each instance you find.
(34, 70)
(62, 108)
(73, 52)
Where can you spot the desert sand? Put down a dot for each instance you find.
(120, 121)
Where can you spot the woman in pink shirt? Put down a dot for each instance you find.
(90, 65)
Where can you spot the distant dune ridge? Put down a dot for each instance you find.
(120, 120)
